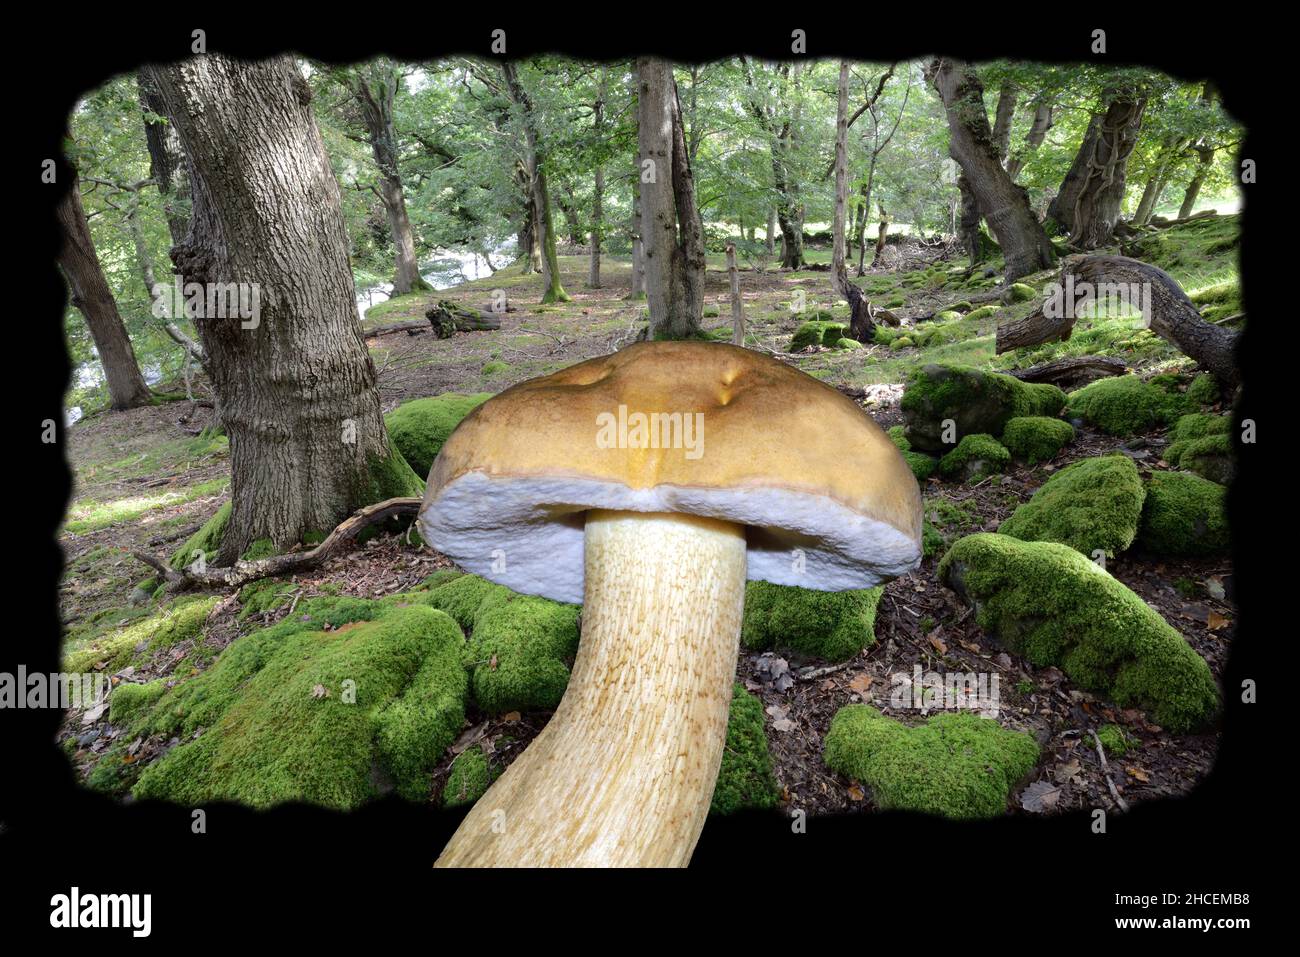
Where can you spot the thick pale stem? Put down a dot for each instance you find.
(623, 773)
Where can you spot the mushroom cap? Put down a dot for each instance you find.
(828, 500)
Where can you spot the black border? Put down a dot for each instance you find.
(304, 874)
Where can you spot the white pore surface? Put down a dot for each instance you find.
(527, 533)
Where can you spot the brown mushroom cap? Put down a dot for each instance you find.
(827, 498)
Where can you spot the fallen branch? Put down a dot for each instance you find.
(1071, 373)
(1105, 770)
(448, 318)
(241, 573)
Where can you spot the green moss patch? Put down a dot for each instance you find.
(975, 457)
(922, 465)
(1048, 603)
(957, 765)
(418, 428)
(206, 540)
(296, 712)
(1114, 740)
(181, 620)
(130, 699)
(817, 332)
(976, 402)
(1202, 444)
(1092, 505)
(1036, 438)
(833, 626)
(1183, 515)
(468, 778)
(745, 780)
(1123, 405)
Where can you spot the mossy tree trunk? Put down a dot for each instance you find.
(1004, 205)
(672, 231)
(775, 118)
(295, 383)
(543, 222)
(166, 160)
(91, 294)
(1042, 122)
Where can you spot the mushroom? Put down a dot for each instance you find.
(648, 485)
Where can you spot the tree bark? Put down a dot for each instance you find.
(737, 308)
(92, 295)
(543, 223)
(780, 135)
(1043, 121)
(598, 190)
(295, 384)
(166, 161)
(1204, 161)
(1005, 112)
(673, 234)
(448, 318)
(839, 272)
(1087, 206)
(1005, 206)
(1071, 373)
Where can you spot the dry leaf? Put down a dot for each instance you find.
(1215, 621)
(856, 793)
(510, 717)
(861, 683)
(320, 691)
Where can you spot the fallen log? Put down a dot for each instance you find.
(1168, 311)
(448, 318)
(1070, 374)
(241, 573)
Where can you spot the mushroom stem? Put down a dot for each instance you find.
(623, 773)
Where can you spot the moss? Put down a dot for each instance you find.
(418, 428)
(297, 713)
(1020, 292)
(520, 652)
(178, 622)
(1094, 504)
(745, 780)
(1183, 515)
(206, 540)
(943, 521)
(976, 401)
(902, 342)
(922, 465)
(468, 778)
(1114, 740)
(817, 332)
(947, 315)
(460, 595)
(1209, 456)
(833, 626)
(130, 699)
(1123, 405)
(1198, 425)
(975, 457)
(847, 344)
(262, 596)
(983, 312)
(1036, 438)
(958, 765)
(389, 476)
(496, 368)
(1048, 603)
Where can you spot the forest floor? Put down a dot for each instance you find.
(144, 481)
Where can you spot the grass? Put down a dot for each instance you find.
(89, 515)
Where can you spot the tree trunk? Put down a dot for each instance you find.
(637, 290)
(543, 223)
(166, 161)
(771, 230)
(737, 308)
(673, 234)
(882, 237)
(968, 222)
(1034, 139)
(1205, 160)
(529, 253)
(864, 206)
(1087, 206)
(1005, 206)
(376, 94)
(839, 272)
(598, 190)
(295, 384)
(92, 295)
(1003, 115)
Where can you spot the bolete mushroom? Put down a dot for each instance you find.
(648, 485)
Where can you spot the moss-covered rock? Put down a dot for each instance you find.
(1048, 603)
(958, 765)
(745, 780)
(418, 428)
(833, 626)
(976, 401)
(1202, 444)
(975, 457)
(817, 332)
(983, 312)
(1204, 389)
(1123, 405)
(1183, 515)
(922, 465)
(468, 778)
(900, 343)
(1020, 292)
(1036, 438)
(129, 700)
(948, 315)
(847, 344)
(1092, 505)
(520, 653)
(308, 709)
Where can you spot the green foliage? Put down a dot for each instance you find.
(1048, 603)
(1036, 438)
(957, 764)
(1183, 515)
(418, 428)
(745, 780)
(468, 778)
(975, 457)
(1093, 505)
(296, 713)
(833, 626)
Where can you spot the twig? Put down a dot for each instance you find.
(1105, 770)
